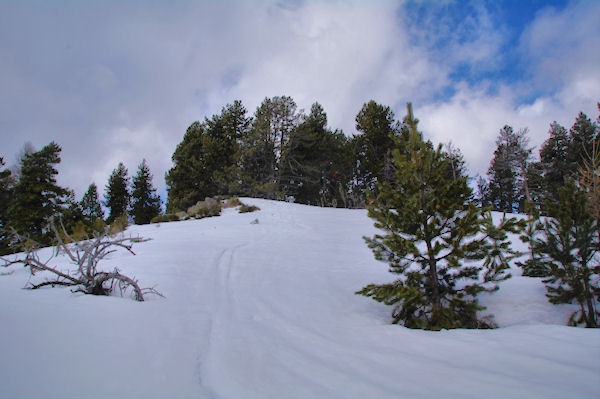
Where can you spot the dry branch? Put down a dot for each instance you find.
(86, 255)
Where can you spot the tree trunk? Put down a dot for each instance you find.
(590, 320)
(437, 303)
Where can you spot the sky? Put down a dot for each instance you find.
(120, 81)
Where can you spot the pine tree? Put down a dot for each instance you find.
(6, 183)
(71, 214)
(582, 136)
(430, 227)
(117, 196)
(36, 196)
(554, 162)
(90, 205)
(315, 164)
(186, 180)
(207, 161)
(535, 265)
(570, 245)
(145, 203)
(378, 127)
(507, 187)
(265, 149)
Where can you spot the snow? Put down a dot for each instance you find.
(268, 310)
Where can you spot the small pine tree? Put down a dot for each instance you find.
(145, 203)
(535, 265)
(90, 205)
(570, 245)
(431, 226)
(117, 195)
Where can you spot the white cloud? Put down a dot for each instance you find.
(562, 49)
(122, 83)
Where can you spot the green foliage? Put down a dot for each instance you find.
(430, 227)
(145, 203)
(582, 136)
(570, 244)
(373, 147)
(6, 184)
(71, 212)
(90, 205)
(265, 150)
(167, 217)
(534, 266)
(36, 196)
(206, 162)
(117, 195)
(507, 187)
(316, 162)
(554, 162)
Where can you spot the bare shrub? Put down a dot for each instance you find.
(232, 202)
(86, 255)
(203, 209)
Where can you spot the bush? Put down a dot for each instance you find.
(168, 217)
(119, 224)
(203, 209)
(248, 208)
(232, 202)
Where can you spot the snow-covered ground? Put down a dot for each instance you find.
(268, 310)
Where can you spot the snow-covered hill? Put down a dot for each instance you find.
(268, 310)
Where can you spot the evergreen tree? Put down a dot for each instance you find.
(456, 162)
(207, 161)
(554, 162)
(315, 163)
(507, 187)
(145, 203)
(535, 185)
(570, 245)
(71, 214)
(582, 136)
(186, 180)
(6, 183)
(90, 205)
(266, 148)
(117, 196)
(430, 227)
(535, 266)
(236, 125)
(36, 196)
(374, 145)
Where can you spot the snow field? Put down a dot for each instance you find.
(268, 310)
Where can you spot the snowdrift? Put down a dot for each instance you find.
(267, 310)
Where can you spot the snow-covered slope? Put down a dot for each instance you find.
(268, 310)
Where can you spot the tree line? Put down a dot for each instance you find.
(30, 198)
(282, 153)
(515, 178)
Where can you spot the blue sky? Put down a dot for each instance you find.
(121, 80)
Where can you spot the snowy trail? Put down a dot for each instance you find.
(268, 310)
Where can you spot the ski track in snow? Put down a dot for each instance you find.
(268, 310)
